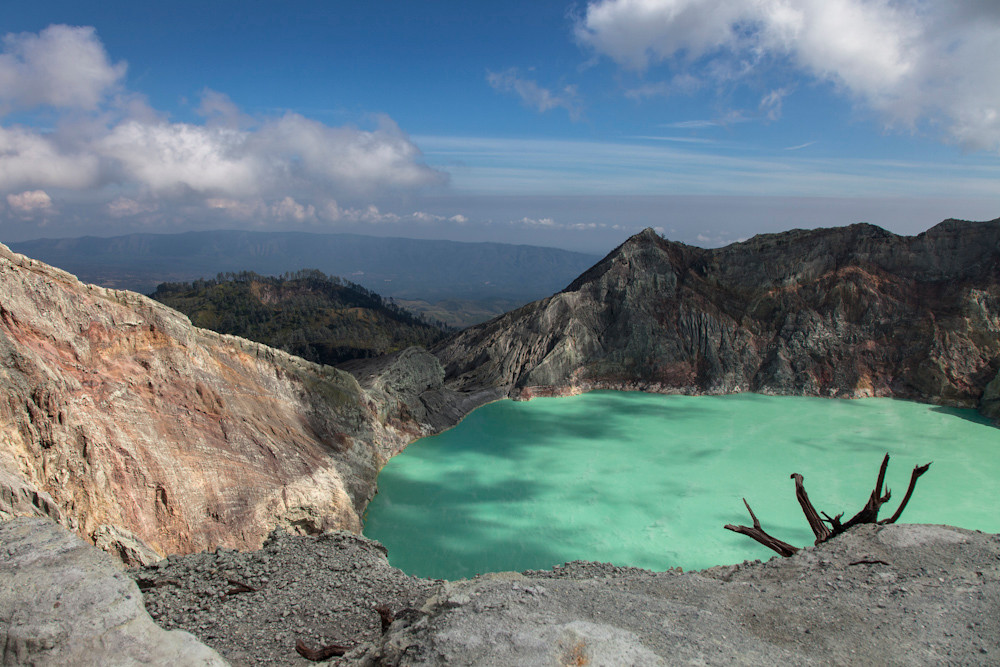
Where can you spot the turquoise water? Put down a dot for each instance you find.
(649, 480)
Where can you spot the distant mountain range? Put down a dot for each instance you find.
(502, 275)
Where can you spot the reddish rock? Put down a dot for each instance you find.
(120, 418)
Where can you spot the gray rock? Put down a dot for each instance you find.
(886, 595)
(63, 602)
(125, 545)
(19, 497)
(849, 312)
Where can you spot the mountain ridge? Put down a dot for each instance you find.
(844, 311)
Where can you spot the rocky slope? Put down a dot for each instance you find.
(150, 436)
(851, 311)
(877, 595)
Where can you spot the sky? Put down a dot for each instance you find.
(564, 124)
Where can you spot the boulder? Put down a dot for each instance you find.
(63, 602)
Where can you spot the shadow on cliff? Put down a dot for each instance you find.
(966, 414)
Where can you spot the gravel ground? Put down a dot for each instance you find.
(321, 590)
(877, 595)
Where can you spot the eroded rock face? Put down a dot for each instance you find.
(63, 602)
(852, 311)
(121, 420)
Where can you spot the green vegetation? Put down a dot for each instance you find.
(307, 313)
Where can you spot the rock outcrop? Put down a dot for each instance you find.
(63, 602)
(126, 424)
(877, 595)
(849, 312)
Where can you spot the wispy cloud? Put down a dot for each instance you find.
(535, 166)
(800, 146)
(692, 124)
(533, 95)
(682, 140)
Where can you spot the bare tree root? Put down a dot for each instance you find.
(868, 513)
(757, 533)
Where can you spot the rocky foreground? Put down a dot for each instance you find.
(878, 595)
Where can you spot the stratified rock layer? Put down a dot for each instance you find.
(851, 311)
(125, 423)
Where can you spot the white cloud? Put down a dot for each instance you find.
(105, 141)
(31, 159)
(914, 61)
(533, 95)
(347, 157)
(165, 156)
(550, 223)
(292, 211)
(62, 66)
(683, 83)
(30, 201)
(692, 124)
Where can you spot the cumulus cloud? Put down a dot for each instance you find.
(106, 141)
(62, 66)
(914, 61)
(30, 201)
(29, 158)
(166, 156)
(533, 95)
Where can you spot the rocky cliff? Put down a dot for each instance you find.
(850, 311)
(145, 434)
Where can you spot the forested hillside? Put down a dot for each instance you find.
(307, 313)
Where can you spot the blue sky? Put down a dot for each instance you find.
(566, 124)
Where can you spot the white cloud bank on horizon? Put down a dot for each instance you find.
(107, 140)
(914, 61)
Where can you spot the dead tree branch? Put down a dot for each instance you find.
(917, 472)
(758, 533)
(868, 514)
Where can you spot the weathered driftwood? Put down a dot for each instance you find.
(868, 514)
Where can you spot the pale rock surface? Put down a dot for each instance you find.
(876, 595)
(63, 602)
(130, 426)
